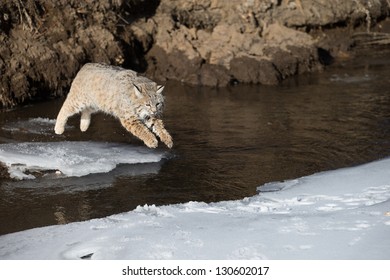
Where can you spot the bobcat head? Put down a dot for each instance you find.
(150, 100)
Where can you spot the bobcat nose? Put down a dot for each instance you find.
(144, 115)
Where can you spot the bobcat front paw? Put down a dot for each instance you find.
(151, 143)
(166, 138)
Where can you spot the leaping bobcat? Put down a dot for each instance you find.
(135, 100)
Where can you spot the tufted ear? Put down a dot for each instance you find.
(159, 89)
(137, 91)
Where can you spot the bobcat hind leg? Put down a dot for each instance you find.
(85, 119)
(68, 109)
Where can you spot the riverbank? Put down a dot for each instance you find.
(203, 42)
(341, 215)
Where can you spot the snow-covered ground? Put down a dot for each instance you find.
(341, 214)
(71, 158)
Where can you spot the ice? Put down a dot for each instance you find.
(351, 79)
(72, 158)
(41, 126)
(340, 214)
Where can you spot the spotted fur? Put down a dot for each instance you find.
(135, 100)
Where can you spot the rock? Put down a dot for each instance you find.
(310, 13)
(252, 70)
(175, 66)
(213, 75)
(3, 171)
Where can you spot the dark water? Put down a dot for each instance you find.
(226, 143)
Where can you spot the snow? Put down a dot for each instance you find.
(71, 158)
(340, 214)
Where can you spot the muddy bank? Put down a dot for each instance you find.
(208, 42)
(44, 43)
(215, 42)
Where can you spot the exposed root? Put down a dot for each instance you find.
(28, 12)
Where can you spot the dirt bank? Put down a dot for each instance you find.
(208, 42)
(44, 43)
(216, 42)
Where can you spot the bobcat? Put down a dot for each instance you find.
(135, 100)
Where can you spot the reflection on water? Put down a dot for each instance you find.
(226, 143)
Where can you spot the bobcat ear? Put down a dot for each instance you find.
(159, 89)
(137, 91)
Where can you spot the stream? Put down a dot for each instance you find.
(227, 142)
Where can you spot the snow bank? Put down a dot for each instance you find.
(71, 158)
(341, 214)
